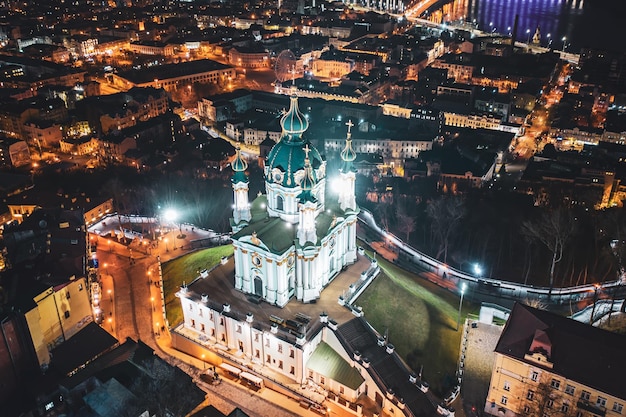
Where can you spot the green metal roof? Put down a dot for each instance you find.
(325, 361)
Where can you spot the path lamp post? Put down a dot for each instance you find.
(458, 319)
(595, 299)
(152, 302)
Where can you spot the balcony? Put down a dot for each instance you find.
(592, 408)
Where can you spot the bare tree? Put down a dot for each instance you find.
(544, 399)
(445, 214)
(553, 229)
(405, 221)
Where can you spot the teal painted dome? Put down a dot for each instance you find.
(294, 122)
(285, 163)
(239, 165)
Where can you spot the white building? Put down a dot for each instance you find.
(288, 243)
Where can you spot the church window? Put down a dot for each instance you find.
(256, 337)
(202, 327)
(238, 328)
(193, 323)
(257, 353)
(291, 353)
(341, 390)
(322, 380)
(292, 371)
(200, 312)
(279, 203)
(280, 364)
(280, 348)
(223, 337)
(221, 321)
(212, 332)
(269, 359)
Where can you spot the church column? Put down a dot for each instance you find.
(347, 173)
(239, 180)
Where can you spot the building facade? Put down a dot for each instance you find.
(305, 244)
(550, 365)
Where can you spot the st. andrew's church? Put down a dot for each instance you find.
(291, 242)
(289, 245)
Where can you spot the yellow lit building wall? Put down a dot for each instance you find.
(516, 388)
(58, 316)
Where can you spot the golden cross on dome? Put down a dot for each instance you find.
(307, 150)
(349, 124)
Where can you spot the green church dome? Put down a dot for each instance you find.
(287, 157)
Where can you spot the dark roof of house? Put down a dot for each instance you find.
(82, 348)
(357, 335)
(167, 71)
(579, 352)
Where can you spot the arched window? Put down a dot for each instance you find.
(279, 203)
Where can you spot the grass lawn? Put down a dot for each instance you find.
(421, 320)
(185, 269)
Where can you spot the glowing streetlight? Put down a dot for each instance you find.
(166, 248)
(564, 38)
(110, 295)
(152, 302)
(203, 363)
(458, 319)
(527, 36)
(478, 270)
(111, 323)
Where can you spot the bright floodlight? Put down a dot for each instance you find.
(170, 215)
(478, 270)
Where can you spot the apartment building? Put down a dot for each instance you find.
(549, 365)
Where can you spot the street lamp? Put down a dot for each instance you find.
(152, 302)
(527, 36)
(564, 38)
(111, 323)
(110, 296)
(109, 242)
(595, 298)
(203, 363)
(478, 270)
(549, 40)
(458, 320)
(166, 248)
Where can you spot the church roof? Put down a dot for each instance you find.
(289, 154)
(279, 235)
(327, 362)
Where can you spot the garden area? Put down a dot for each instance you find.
(184, 270)
(420, 320)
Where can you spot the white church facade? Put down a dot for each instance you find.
(291, 242)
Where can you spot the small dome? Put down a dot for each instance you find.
(239, 164)
(293, 122)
